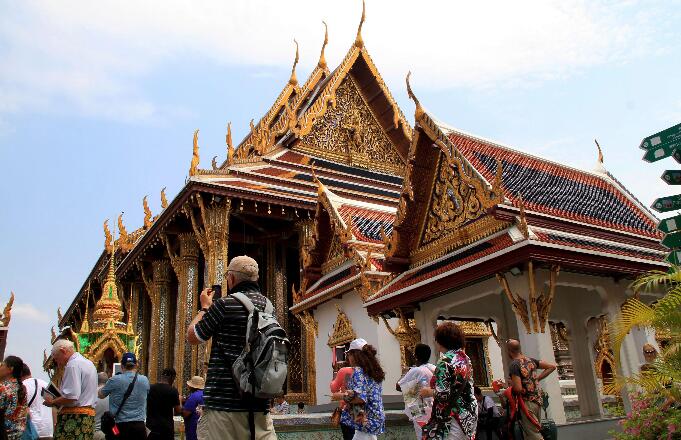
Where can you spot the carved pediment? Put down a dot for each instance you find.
(342, 330)
(350, 133)
(336, 255)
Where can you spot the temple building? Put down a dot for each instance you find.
(367, 225)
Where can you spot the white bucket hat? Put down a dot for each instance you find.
(357, 344)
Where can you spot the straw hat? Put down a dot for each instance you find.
(197, 382)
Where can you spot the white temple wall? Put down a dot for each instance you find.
(365, 327)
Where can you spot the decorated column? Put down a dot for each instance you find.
(275, 285)
(532, 310)
(158, 289)
(185, 263)
(211, 230)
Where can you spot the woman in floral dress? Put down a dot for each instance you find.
(455, 410)
(13, 397)
(364, 409)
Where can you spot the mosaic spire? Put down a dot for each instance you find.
(109, 308)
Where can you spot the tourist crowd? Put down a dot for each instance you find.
(441, 400)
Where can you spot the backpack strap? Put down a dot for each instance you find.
(35, 393)
(248, 304)
(126, 395)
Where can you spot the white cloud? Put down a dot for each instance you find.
(28, 312)
(89, 57)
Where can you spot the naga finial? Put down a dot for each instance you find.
(293, 80)
(419, 110)
(164, 200)
(600, 152)
(523, 220)
(108, 239)
(59, 315)
(230, 145)
(322, 58)
(122, 232)
(7, 312)
(358, 40)
(194, 167)
(214, 163)
(147, 213)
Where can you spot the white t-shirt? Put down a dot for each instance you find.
(487, 403)
(79, 381)
(41, 415)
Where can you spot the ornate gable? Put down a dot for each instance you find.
(349, 132)
(342, 330)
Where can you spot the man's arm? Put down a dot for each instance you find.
(516, 384)
(206, 300)
(548, 369)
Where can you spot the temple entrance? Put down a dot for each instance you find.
(107, 361)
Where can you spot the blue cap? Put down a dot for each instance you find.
(128, 358)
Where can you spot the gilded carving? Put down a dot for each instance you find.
(540, 304)
(407, 336)
(108, 239)
(147, 213)
(518, 303)
(604, 354)
(342, 330)
(194, 166)
(7, 312)
(164, 200)
(349, 132)
(309, 330)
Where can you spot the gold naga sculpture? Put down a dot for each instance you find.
(147, 213)
(164, 200)
(194, 166)
(7, 312)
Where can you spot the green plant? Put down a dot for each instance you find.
(664, 375)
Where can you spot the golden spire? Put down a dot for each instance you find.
(108, 308)
(600, 152)
(147, 213)
(107, 236)
(322, 59)
(230, 145)
(293, 80)
(194, 167)
(164, 200)
(358, 40)
(418, 113)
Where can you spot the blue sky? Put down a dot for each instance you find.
(99, 100)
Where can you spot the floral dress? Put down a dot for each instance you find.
(454, 398)
(15, 411)
(371, 393)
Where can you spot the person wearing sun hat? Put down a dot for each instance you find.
(193, 405)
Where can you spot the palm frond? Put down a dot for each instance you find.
(633, 313)
(655, 279)
(669, 303)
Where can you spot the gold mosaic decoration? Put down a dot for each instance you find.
(342, 330)
(349, 132)
(603, 349)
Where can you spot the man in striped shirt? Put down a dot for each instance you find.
(226, 414)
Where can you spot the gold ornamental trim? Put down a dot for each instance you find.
(343, 332)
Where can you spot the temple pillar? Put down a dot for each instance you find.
(537, 344)
(186, 267)
(583, 366)
(139, 302)
(212, 235)
(275, 284)
(158, 289)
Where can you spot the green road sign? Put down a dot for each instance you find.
(674, 257)
(672, 177)
(664, 204)
(670, 224)
(672, 241)
(672, 134)
(661, 151)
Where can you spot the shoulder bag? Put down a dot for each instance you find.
(108, 423)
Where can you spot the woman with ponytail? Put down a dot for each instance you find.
(13, 397)
(364, 409)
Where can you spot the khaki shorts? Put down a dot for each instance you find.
(223, 425)
(530, 431)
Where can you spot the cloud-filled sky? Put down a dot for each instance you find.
(99, 100)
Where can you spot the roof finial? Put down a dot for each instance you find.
(419, 110)
(600, 152)
(147, 213)
(122, 233)
(322, 59)
(107, 236)
(230, 145)
(194, 167)
(358, 41)
(294, 81)
(164, 200)
(522, 226)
